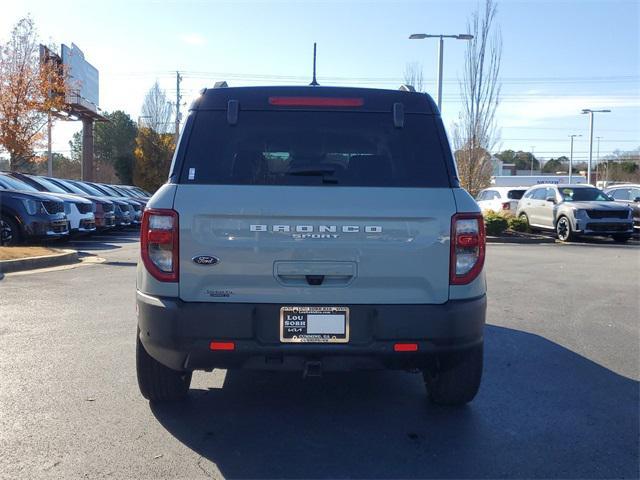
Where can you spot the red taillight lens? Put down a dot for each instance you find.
(405, 347)
(506, 205)
(159, 243)
(224, 346)
(316, 102)
(467, 247)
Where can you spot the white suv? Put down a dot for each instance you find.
(500, 199)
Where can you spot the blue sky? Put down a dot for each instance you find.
(558, 56)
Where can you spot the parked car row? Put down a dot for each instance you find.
(570, 210)
(38, 208)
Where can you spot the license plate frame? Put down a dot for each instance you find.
(321, 317)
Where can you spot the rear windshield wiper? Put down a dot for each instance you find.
(311, 171)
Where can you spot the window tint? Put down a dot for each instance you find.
(50, 186)
(314, 148)
(540, 194)
(11, 183)
(515, 194)
(481, 196)
(69, 187)
(88, 189)
(551, 192)
(584, 194)
(621, 194)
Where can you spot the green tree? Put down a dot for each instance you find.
(114, 144)
(560, 164)
(63, 166)
(75, 145)
(521, 159)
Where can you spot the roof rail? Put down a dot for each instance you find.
(407, 88)
(221, 84)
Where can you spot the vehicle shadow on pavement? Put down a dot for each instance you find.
(543, 411)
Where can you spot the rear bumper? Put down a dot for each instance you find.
(178, 334)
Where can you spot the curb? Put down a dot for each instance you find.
(521, 240)
(45, 261)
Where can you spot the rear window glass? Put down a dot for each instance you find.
(314, 148)
(515, 194)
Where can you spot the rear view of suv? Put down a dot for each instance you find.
(312, 229)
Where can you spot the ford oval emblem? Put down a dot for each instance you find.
(205, 260)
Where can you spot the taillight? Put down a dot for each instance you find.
(467, 247)
(506, 205)
(159, 243)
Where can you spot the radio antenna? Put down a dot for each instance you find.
(314, 81)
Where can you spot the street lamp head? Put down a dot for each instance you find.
(464, 36)
(417, 36)
(588, 110)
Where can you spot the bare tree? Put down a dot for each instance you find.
(475, 133)
(157, 110)
(413, 75)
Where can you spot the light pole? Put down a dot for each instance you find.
(420, 36)
(533, 149)
(591, 112)
(598, 160)
(571, 156)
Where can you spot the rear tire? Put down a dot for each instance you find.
(564, 231)
(9, 231)
(621, 238)
(454, 378)
(158, 383)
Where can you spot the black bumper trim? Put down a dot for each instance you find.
(178, 333)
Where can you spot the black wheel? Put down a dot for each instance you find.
(564, 230)
(621, 237)
(159, 383)
(453, 379)
(9, 231)
(524, 218)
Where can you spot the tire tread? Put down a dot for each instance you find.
(157, 382)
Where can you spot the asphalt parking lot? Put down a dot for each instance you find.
(559, 395)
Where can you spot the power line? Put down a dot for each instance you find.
(303, 78)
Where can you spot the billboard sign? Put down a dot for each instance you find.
(83, 78)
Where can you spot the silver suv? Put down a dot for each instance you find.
(574, 210)
(312, 229)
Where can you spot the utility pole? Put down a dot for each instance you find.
(49, 153)
(571, 157)
(178, 100)
(590, 113)
(533, 149)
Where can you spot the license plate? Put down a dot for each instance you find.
(314, 324)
